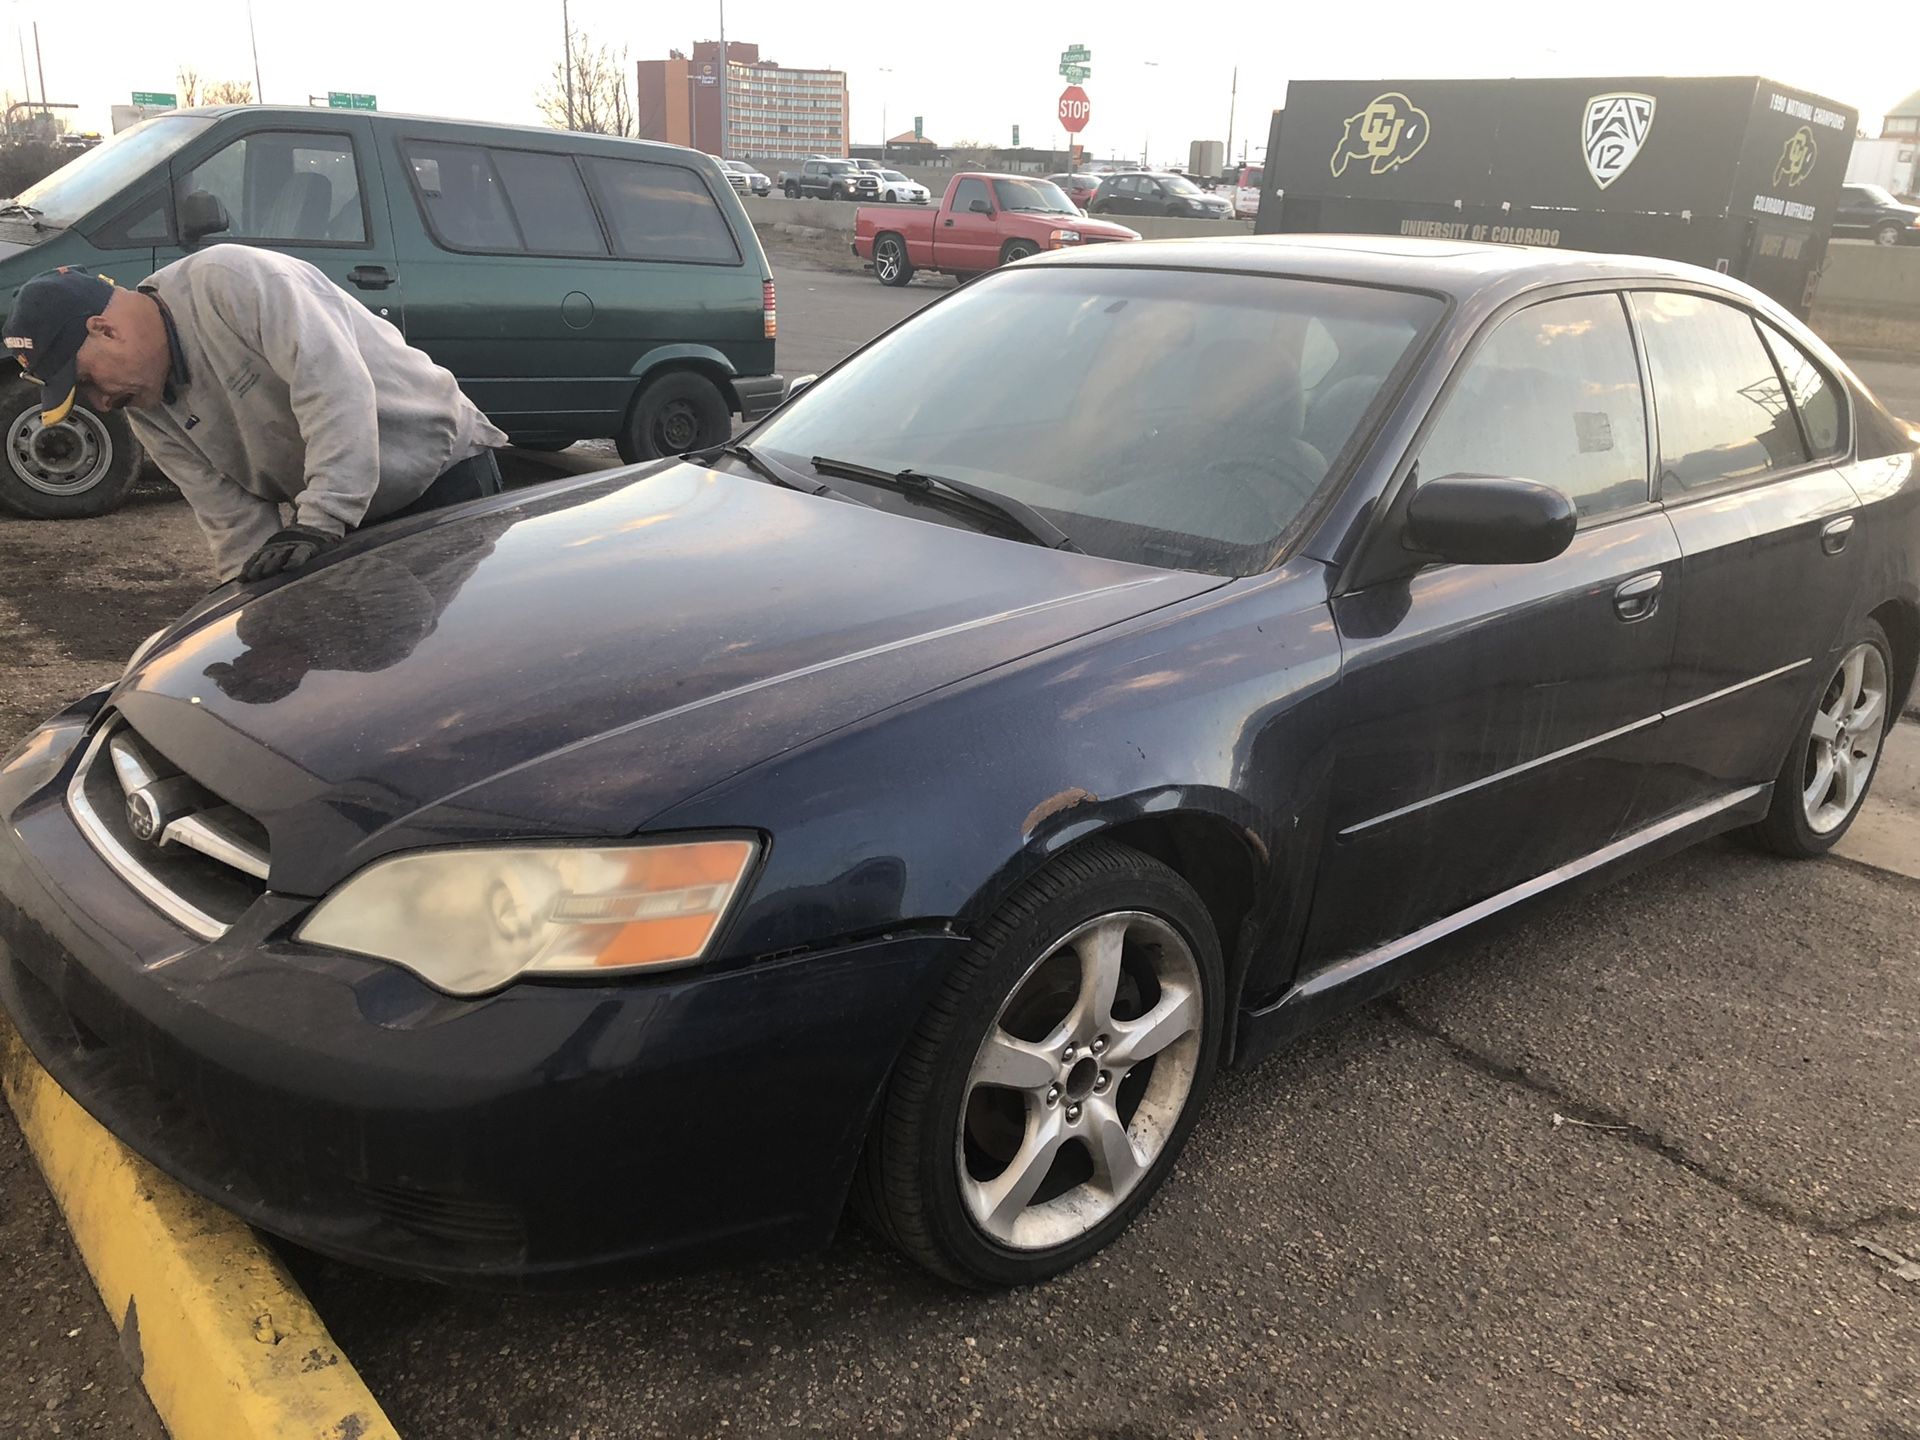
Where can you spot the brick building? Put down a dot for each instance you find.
(774, 112)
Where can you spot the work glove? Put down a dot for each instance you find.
(287, 550)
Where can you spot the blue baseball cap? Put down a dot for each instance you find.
(48, 325)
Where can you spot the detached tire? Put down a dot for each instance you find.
(672, 414)
(1048, 1089)
(1835, 753)
(890, 263)
(82, 467)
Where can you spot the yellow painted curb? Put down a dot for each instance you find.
(216, 1329)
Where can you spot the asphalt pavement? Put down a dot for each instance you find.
(1613, 1172)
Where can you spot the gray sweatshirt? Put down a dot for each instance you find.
(294, 393)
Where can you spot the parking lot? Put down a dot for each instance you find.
(1613, 1173)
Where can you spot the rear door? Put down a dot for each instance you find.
(1494, 717)
(1770, 563)
(312, 190)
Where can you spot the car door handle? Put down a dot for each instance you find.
(370, 277)
(1835, 534)
(947, 223)
(1638, 598)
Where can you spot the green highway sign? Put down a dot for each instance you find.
(1016, 137)
(155, 97)
(346, 100)
(918, 132)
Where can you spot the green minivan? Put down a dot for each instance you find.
(579, 286)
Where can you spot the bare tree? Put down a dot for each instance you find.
(187, 80)
(603, 96)
(229, 92)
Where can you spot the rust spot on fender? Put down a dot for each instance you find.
(1053, 805)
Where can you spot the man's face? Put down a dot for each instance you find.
(118, 366)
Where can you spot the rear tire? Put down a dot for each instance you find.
(1835, 753)
(677, 412)
(82, 467)
(1071, 1047)
(890, 263)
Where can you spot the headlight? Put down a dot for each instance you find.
(468, 921)
(1064, 237)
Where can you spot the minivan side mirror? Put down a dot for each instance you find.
(1490, 520)
(202, 214)
(981, 207)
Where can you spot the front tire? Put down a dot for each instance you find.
(1049, 1087)
(1017, 250)
(82, 467)
(890, 263)
(678, 412)
(1831, 763)
(1888, 234)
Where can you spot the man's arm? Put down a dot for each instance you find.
(302, 329)
(236, 522)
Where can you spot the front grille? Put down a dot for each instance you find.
(188, 853)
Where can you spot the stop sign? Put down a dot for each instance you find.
(1075, 109)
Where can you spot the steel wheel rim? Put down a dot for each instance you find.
(678, 428)
(889, 260)
(1848, 730)
(69, 458)
(1120, 1061)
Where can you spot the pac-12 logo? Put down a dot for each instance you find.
(1797, 158)
(1611, 134)
(1388, 133)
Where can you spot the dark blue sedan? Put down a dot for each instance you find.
(1129, 660)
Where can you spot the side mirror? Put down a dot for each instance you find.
(981, 207)
(1490, 520)
(202, 214)
(799, 383)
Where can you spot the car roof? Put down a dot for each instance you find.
(1455, 268)
(307, 115)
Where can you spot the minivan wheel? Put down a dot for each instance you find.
(1051, 1083)
(678, 412)
(1831, 763)
(81, 467)
(890, 263)
(1888, 234)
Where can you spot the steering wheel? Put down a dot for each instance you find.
(1294, 472)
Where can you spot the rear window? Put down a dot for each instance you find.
(660, 212)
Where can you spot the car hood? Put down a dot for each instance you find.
(575, 661)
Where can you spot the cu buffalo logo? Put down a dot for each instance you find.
(1797, 158)
(1387, 134)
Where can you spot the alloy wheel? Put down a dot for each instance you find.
(69, 458)
(888, 261)
(1848, 730)
(1080, 1081)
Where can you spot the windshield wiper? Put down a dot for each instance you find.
(14, 207)
(766, 470)
(960, 495)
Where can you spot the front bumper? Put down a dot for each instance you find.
(348, 1107)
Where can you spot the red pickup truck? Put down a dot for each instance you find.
(983, 221)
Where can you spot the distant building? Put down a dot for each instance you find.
(774, 112)
(1903, 121)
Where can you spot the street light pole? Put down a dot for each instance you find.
(259, 90)
(884, 70)
(1233, 102)
(724, 64)
(566, 23)
(1146, 140)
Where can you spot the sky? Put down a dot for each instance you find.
(1161, 77)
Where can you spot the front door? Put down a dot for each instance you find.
(968, 241)
(1494, 717)
(313, 191)
(1770, 562)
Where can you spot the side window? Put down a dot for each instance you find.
(1554, 395)
(1128, 186)
(286, 186)
(463, 200)
(140, 226)
(660, 212)
(1724, 415)
(1815, 396)
(969, 191)
(551, 204)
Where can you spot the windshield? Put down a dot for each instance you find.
(895, 177)
(1180, 185)
(1041, 195)
(95, 176)
(1178, 419)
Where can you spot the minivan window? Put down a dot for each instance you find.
(96, 176)
(1553, 396)
(1723, 412)
(660, 212)
(464, 201)
(1814, 395)
(285, 185)
(551, 204)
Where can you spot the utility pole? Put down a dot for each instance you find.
(724, 66)
(39, 64)
(1233, 100)
(259, 90)
(567, 25)
(26, 82)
